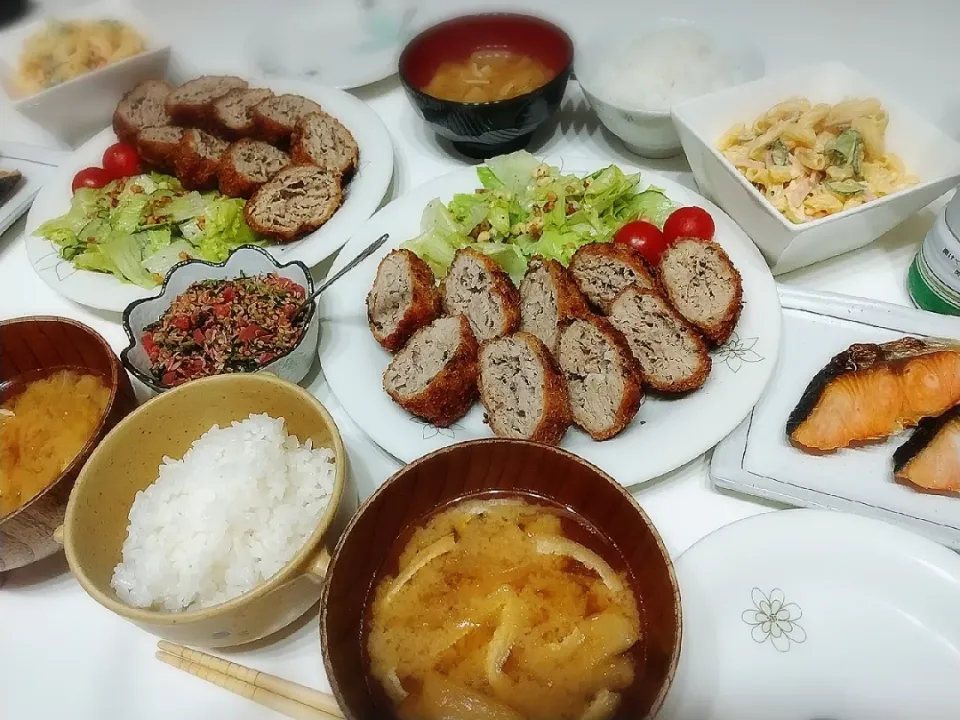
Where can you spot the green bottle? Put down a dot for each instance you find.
(933, 280)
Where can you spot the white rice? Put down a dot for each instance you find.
(656, 71)
(225, 518)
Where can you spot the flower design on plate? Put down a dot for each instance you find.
(737, 351)
(431, 431)
(773, 618)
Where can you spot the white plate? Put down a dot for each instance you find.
(758, 459)
(343, 44)
(664, 435)
(810, 614)
(363, 196)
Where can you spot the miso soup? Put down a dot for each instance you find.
(504, 607)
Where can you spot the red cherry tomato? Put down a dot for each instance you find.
(91, 177)
(121, 160)
(643, 237)
(689, 222)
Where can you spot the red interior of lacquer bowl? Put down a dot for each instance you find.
(456, 39)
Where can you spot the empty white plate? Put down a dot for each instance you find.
(817, 615)
(341, 44)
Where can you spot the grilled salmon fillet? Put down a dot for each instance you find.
(930, 459)
(870, 392)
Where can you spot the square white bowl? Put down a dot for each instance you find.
(77, 109)
(926, 151)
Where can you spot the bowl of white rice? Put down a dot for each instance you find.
(633, 73)
(207, 516)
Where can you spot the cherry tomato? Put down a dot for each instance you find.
(643, 237)
(91, 177)
(121, 160)
(689, 222)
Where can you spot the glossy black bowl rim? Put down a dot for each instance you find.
(563, 75)
(132, 341)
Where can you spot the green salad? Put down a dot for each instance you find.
(137, 228)
(525, 208)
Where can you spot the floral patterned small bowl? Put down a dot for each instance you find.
(245, 261)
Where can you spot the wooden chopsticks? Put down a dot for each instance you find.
(289, 698)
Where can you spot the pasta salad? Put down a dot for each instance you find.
(811, 161)
(64, 50)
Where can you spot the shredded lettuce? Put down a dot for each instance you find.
(525, 208)
(137, 228)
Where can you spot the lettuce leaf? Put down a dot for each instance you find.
(137, 228)
(525, 208)
(222, 229)
(162, 259)
(126, 253)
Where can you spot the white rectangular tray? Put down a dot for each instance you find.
(35, 164)
(757, 459)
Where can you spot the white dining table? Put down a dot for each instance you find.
(64, 656)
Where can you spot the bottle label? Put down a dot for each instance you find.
(938, 262)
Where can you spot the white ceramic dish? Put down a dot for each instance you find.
(245, 261)
(926, 151)
(805, 614)
(92, 97)
(664, 435)
(344, 44)
(362, 197)
(645, 131)
(757, 459)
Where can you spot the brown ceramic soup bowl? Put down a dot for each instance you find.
(485, 466)
(32, 348)
(128, 460)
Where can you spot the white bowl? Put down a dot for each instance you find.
(645, 131)
(247, 260)
(75, 110)
(926, 152)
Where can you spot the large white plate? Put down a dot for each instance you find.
(757, 458)
(363, 196)
(665, 434)
(812, 614)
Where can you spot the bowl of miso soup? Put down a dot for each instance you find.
(500, 580)
(62, 388)
(486, 82)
